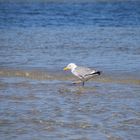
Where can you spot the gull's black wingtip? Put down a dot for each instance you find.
(98, 72)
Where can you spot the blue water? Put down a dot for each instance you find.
(38, 38)
(44, 14)
(34, 34)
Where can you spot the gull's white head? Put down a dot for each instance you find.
(70, 66)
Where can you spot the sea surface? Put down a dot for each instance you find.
(38, 38)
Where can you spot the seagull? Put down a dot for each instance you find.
(83, 73)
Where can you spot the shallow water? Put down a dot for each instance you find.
(37, 99)
(56, 109)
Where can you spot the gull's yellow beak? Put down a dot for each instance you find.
(66, 68)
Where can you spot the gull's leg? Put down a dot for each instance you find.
(82, 80)
(83, 83)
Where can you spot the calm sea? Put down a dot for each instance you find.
(38, 39)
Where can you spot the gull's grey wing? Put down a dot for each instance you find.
(82, 71)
